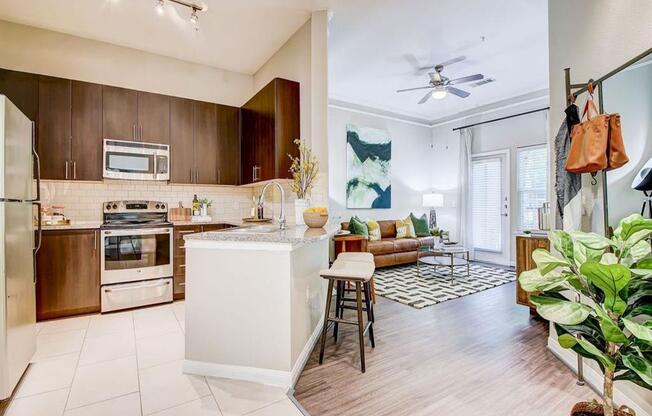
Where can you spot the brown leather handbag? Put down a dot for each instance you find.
(596, 143)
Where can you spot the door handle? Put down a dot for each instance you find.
(74, 169)
(505, 215)
(219, 176)
(95, 240)
(140, 134)
(133, 132)
(67, 163)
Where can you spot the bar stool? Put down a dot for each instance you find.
(364, 257)
(359, 273)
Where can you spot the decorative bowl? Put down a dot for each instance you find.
(315, 220)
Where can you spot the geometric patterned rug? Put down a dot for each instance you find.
(403, 284)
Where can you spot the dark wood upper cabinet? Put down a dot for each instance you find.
(182, 149)
(228, 145)
(270, 124)
(205, 132)
(54, 130)
(87, 145)
(22, 89)
(153, 118)
(119, 113)
(68, 274)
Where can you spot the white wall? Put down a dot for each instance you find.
(593, 37)
(28, 49)
(410, 166)
(507, 134)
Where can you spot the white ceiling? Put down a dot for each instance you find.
(369, 38)
(237, 35)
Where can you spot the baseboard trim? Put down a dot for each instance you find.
(594, 378)
(285, 379)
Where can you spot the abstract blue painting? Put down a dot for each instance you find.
(368, 161)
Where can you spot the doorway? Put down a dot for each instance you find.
(490, 206)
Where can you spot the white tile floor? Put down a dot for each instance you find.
(129, 364)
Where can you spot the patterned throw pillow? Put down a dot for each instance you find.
(374, 230)
(356, 226)
(404, 228)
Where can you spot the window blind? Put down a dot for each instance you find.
(532, 184)
(485, 204)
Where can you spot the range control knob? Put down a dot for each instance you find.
(108, 206)
(115, 206)
(162, 206)
(158, 206)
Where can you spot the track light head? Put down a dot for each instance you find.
(193, 16)
(160, 7)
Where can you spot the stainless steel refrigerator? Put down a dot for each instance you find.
(17, 245)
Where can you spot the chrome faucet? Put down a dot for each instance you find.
(261, 202)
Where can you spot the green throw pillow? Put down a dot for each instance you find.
(356, 226)
(420, 225)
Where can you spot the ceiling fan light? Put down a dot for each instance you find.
(160, 4)
(194, 17)
(439, 93)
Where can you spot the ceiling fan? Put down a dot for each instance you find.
(440, 85)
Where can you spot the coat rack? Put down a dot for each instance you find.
(571, 95)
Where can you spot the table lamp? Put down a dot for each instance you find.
(432, 201)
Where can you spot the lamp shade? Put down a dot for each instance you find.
(433, 200)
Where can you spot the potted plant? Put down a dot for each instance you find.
(607, 317)
(204, 204)
(304, 171)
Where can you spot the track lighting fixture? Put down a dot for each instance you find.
(194, 16)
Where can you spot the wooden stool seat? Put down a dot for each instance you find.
(359, 272)
(361, 257)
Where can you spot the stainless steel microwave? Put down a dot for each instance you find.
(136, 160)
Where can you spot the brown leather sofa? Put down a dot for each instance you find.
(390, 250)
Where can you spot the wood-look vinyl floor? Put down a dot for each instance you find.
(478, 355)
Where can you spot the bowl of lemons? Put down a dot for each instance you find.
(315, 217)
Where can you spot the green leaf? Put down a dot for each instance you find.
(641, 366)
(641, 310)
(645, 263)
(611, 279)
(591, 240)
(641, 273)
(640, 251)
(567, 341)
(584, 254)
(560, 311)
(632, 377)
(609, 258)
(534, 281)
(631, 225)
(562, 242)
(643, 332)
(609, 328)
(546, 262)
(637, 237)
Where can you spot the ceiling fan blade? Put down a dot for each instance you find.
(426, 97)
(469, 78)
(414, 89)
(456, 91)
(453, 61)
(435, 76)
(418, 68)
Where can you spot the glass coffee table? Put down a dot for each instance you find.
(444, 256)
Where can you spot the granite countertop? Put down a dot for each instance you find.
(230, 221)
(74, 225)
(268, 233)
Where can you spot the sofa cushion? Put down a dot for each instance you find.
(384, 260)
(359, 227)
(387, 229)
(381, 247)
(420, 225)
(374, 230)
(405, 244)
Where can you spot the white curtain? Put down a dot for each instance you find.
(464, 216)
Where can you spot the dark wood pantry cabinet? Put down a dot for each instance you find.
(68, 273)
(182, 145)
(86, 126)
(205, 134)
(22, 89)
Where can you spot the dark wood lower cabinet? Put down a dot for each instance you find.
(180, 253)
(68, 274)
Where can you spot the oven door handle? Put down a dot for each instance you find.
(137, 232)
(124, 288)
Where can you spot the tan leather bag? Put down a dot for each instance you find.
(597, 143)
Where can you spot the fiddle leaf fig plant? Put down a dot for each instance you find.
(598, 293)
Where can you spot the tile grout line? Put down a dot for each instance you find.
(102, 401)
(74, 374)
(140, 393)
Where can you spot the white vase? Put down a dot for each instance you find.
(300, 205)
(204, 210)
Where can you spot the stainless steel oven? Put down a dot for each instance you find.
(137, 255)
(136, 160)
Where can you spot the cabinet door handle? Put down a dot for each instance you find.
(67, 163)
(197, 174)
(182, 266)
(187, 232)
(95, 240)
(140, 134)
(74, 169)
(219, 176)
(182, 284)
(133, 132)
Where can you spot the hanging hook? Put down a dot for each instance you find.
(589, 86)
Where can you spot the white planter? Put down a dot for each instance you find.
(204, 210)
(300, 205)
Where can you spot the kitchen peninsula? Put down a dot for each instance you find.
(254, 301)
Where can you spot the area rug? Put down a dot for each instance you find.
(403, 284)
